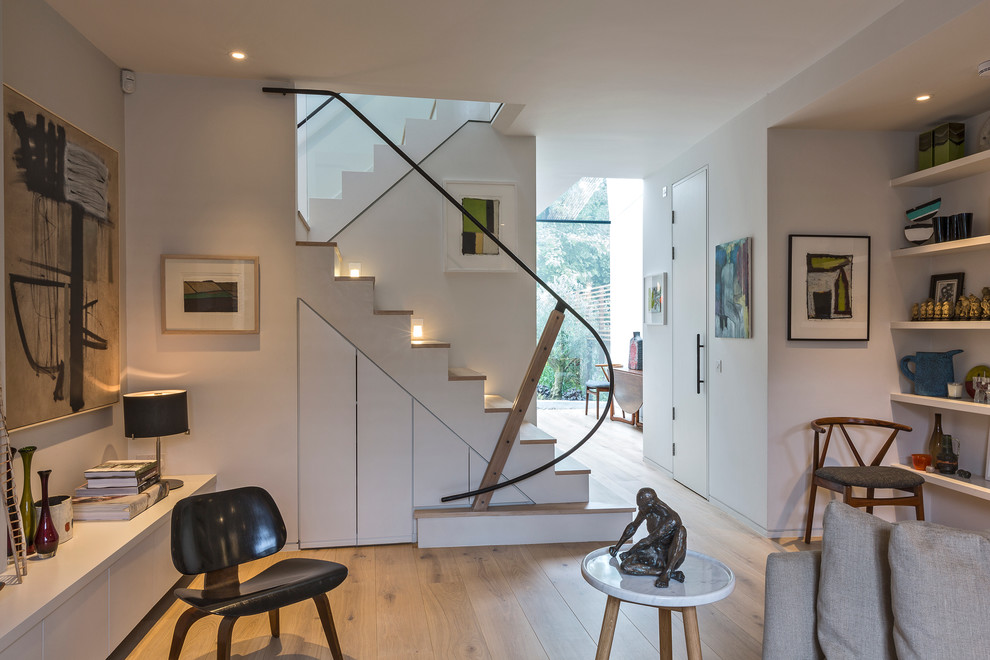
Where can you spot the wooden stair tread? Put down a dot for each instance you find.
(429, 343)
(530, 434)
(316, 244)
(495, 403)
(363, 278)
(566, 508)
(393, 312)
(570, 465)
(462, 373)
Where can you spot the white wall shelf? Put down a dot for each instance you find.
(975, 486)
(940, 325)
(952, 171)
(948, 247)
(942, 403)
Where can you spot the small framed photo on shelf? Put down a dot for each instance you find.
(655, 308)
(946, 287)
(210, 295)
(828, 288)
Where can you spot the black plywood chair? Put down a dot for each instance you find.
(213, 534)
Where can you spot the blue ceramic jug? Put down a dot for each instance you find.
(932, 371)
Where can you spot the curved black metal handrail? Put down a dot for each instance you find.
(562, 305)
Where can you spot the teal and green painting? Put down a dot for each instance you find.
(829, 286)
(473, 240)
(209, 296)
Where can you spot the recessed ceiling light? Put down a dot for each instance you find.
(237, 55)
(923, 97)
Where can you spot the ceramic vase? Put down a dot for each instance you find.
(935, 441)
(636, 352)
(46, 536)
(28, 519)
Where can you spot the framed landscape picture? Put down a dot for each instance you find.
(655, 309)
(212, 295)
(828, 287)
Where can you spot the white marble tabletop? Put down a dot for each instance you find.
(706, 580)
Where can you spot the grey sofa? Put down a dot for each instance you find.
(880, 590)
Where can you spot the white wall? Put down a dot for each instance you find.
(736, 158)
(625, 212)
(399, 240)
(48, 61)
(211, 171)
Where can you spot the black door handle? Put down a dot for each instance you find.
(698, 362)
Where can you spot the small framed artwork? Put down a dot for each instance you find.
(210, 295)
(947, 286)
(467, 248)
(733, 283)
(655, 309)
(828, 288)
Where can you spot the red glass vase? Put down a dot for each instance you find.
(46, 538)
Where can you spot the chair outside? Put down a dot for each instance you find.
(842, 479)
(216, 532)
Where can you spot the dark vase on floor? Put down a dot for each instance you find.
(46, 538)
(636, 352)
(28, 520)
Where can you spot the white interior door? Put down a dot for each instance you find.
(688, 313)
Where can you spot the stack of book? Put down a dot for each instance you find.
(118, 490)
(119, 477)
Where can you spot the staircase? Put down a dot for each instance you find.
(557, 505)
(327, 216)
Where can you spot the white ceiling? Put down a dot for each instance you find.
(614, 87)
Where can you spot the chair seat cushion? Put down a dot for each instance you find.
(597, 384)
(879, 476)
(284, 583)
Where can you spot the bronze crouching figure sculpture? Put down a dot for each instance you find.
(662, 550)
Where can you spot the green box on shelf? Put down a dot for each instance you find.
(925, 151)
(948, 142)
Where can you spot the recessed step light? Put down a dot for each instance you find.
(923, 97)
(237, 55)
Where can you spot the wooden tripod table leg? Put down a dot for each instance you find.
(608, 628)
(692, 637)
(666, 650)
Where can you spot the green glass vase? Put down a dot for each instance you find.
(29, 520)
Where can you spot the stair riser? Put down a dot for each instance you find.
(520, 529)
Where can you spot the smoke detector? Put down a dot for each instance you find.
(984, 69)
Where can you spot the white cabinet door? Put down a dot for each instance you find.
(132, 589)
(28, 646)
(78, 628)
(440, 460)
(327, 435)
(384, 431)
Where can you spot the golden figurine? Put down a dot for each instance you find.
(946, 310)
(929, 310)
(961, 308)
(986, 309)
(974, 307)
(915, 313)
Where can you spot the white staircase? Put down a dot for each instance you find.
(327, 216)
(555, 506)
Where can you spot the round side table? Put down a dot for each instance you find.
(706, 580)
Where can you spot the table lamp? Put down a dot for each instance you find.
(154, 414)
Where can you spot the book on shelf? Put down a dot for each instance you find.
(89, 490)
(121, 468)
(117, 507)
(143, 479)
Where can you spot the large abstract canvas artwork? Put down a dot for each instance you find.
(61, 273)
(829, 287)
(733, 282)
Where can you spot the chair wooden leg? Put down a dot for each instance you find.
(326, 616)
(919, 508)
(273, 622)
(811, 512)
(869, 496)
(224, 633)
(598, 403)
(587, 395)
(186, 619)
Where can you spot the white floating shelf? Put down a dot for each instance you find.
(946, 172)
(975, 486)
(948, 247)
(943, 403)
(940, 325)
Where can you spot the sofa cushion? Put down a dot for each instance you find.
(789, 612)
(854, 611)
(940, 590)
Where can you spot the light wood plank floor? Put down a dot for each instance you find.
(501, 602)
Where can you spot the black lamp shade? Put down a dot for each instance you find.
(154, 414)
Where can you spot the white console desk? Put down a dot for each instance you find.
(81, 603)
